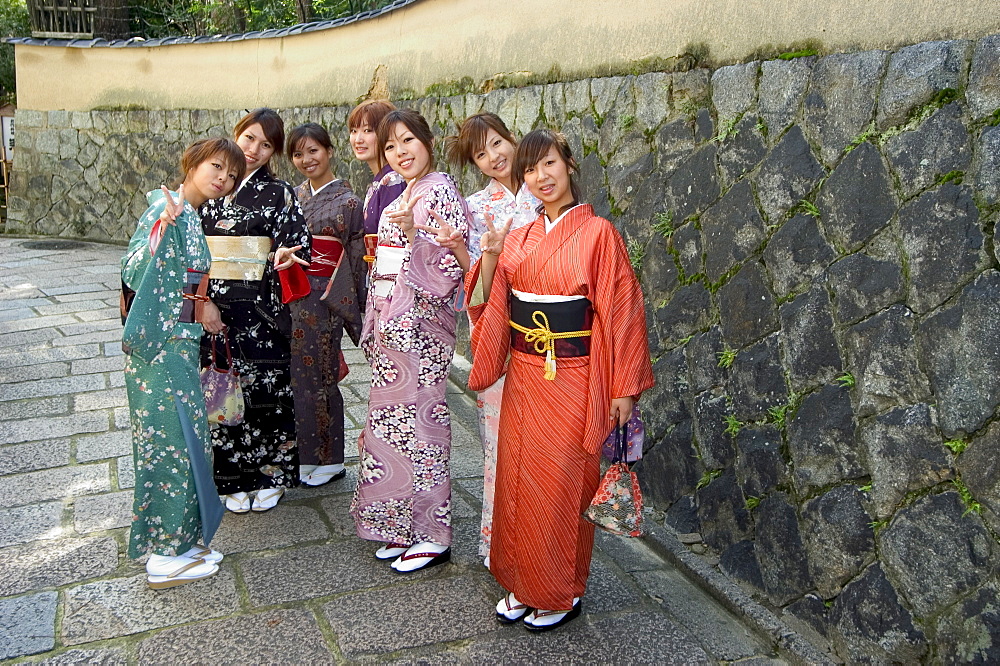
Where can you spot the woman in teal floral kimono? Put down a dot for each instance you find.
(165, 264)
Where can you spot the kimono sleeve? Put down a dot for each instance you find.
(292, 229)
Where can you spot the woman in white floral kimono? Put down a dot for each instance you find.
(165, 264)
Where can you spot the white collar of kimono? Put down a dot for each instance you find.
(550, 225)
(320, 188)
(248, 177)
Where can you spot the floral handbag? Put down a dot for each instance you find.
(223, 394)
(617, 504)
(635, 435)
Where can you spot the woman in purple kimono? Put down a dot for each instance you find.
(333, 215)
(386, 185)
(403, 496)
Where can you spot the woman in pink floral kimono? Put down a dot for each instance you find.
(403, 496)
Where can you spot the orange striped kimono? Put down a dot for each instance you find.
(548, 454)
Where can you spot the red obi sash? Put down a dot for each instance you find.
(327, 253)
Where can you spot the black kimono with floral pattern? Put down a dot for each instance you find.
(261, 452)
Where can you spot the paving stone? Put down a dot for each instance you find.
(27, 523)
(75, 289)
(115, 397)
(341, 486)
(123, 606)
(461, 611)
(27, 373)
(125, 468)
(103, 336)
(59, 483)
(101, 364)
(29, 339)
(87, 328)
(27, 624)
(55, 426)
(54, 563)
(56, 386)
(9, 359)
(282, 526)
(103, 512)
(106, 445)
(100, 657)
(33, 456)
(35, 323)
(282, 636)
(609, 592)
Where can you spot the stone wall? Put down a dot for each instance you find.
(815, 240)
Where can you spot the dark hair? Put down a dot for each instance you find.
(471, 137)
(413, 122)
(533, 147)
(205, 149)
(307, 131)
(270, 122)
(370, 112)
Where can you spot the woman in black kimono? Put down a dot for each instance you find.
(266, 234)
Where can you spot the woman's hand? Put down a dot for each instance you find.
(621, 409)
(403, 217)
(211, 318)
(491, 242)
(174, 207)
(449, 238)
(284, 257)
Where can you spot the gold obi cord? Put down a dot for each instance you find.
(543, 338)
(238, 257)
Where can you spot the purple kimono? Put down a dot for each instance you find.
(404, 486)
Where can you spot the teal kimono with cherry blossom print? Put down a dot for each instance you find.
(166, 404)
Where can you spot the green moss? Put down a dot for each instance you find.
(971, 505)
(728, 129)
(451, 88)
(993, 119)
(801, 53)
(951, 177)
(707, 478)
(957, 446)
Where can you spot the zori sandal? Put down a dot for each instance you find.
(164, 572)
(267, 499)
(510, 610)
(421, 556)
(325, 474)
(238, 502)
(391, 551)
(547, 620)
(205, 553)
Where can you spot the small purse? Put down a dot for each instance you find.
(617, 504)
(634, 437)
(223, 393)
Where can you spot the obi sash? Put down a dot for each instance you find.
(238, 257)
(388, 263)
(327, 252)
(552, 326)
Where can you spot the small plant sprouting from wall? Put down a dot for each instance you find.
(728, 129)
(664, 224)
(801, 53)
(971, 505)
(809, 208)
(726, 357)
(733, 425)
(957, 446)
(636, 253)
(752, 503)
(707, 478)
(846, 380)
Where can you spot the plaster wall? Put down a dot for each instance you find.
(435, 41)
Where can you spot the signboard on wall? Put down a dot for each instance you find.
(7, 125)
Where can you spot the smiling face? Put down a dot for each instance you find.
(406, 154)
(548, 179)
(364, 143)
(211, 179)
(257, 149)
(495, 158)
(313, 161)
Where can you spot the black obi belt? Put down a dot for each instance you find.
(560, 330)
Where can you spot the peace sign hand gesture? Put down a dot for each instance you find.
(491, 242)
(445, 235)
(174, 207)
(403, 217)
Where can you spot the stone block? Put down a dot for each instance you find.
(722, 512)
(746, 306)
(739, 562)
(607, 592)
(125, 469)
(937, 540)
(702, 356)
(106, 445)
(577, 95)
(740, 153)
(983, 92)
(529, 109)
(379, 622)
(52, 386)
(123, 606)
(553, 103)
(28, 523)
(980, 470)
(606, 92)
(987, 170)
(857, 200)
(710, 411)
(57, 483)
(56, 563)
(782, 88)
(670, 469)
(34, 456)
(822, 441)
(939, 146)
(652, 99)
(882, 357)
(757, 380)
(872, 625)
(944, 244)
(863, 285)
(779, 549)
(732, 230)
(27, 624)
(838, 537)
(905, 453)
(101, 364)
(969, 632)
(686, 242)
(734, 89)
(284, 635)
(103, 512)
(841, 100)
(58, 118)
(787, 175)
(674, 142)
(29, 118)
(759, 464)
(628, 168)
(687, 311)
(961, 346)
(97, 657)
(288, 525)
(683, 516)
(915, 73)
(665, 403)
(811, 353)
(796, 254)
(812, 612)
(660, 275)
(694, 185)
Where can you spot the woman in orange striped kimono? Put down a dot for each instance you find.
(558, 296)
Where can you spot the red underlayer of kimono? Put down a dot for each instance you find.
(551, 431)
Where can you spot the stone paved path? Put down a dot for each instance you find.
(297, 586)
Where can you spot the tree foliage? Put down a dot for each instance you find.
(13, 23)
